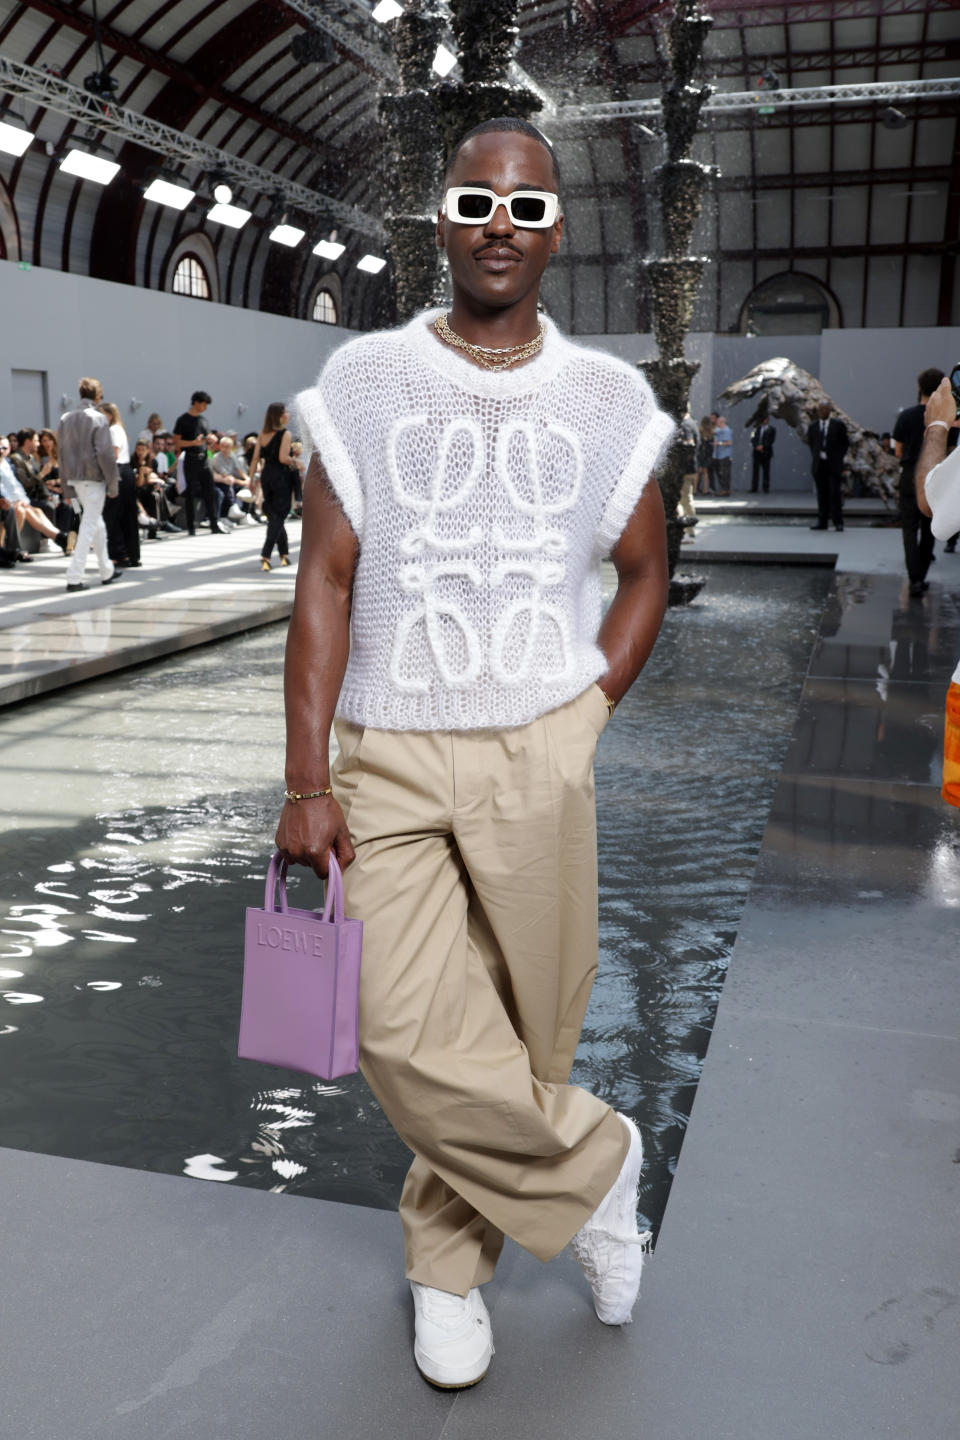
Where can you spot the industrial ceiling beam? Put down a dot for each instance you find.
(862, 57)
(890, 91)
(55, 94)
(155, 60)
(635, 16)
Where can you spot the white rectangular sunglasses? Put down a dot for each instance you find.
(528, 209)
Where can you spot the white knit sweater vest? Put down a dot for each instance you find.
(483, 503)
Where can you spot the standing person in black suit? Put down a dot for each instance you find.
(761, 446)
(828, 440)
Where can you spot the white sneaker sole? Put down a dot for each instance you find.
(445, 1377)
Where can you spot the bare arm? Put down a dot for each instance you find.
(255, 460)
(941, 408)
(318, 643)
(631, 625)
(284, 456)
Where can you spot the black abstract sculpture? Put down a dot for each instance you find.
(674, 278)
(424, 119)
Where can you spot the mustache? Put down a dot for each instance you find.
(492, 246)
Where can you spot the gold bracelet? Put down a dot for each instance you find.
(611, 704)
(294, 795)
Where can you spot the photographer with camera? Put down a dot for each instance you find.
(937, 479)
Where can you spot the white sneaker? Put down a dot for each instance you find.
(609, 1246)
(453, 1345)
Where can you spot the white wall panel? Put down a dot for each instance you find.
(923, 291)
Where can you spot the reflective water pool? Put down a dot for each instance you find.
(138, 818)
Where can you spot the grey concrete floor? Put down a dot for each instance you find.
(806, 1284)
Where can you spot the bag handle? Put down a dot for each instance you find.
(277, 870)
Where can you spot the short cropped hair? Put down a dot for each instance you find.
(928, 380)
(89, 388)
(509, 124)
(26, 434)
(200, 397)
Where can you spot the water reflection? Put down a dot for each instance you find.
(127, 895)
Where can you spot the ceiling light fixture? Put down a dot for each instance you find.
(329, 249)
(89, 167)
(387, 10)
(222, 193)
(371, 264)
(14, 141)
(178, 197)
(287, 235)
(233, 216)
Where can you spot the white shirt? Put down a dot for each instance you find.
(483, 503)
(942, 489)
(121, 444)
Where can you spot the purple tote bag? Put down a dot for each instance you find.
(301, 982)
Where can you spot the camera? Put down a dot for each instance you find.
(955, 387)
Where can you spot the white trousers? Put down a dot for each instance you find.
(93, 532)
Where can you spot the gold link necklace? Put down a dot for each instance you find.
(486, 355)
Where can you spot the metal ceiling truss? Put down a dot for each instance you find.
(55, 94)
(889, 91)
(379, 59)
(636, 16)
(153, 60)
(348, 39)
(862, 57)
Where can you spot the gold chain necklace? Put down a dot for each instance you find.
(484, 354)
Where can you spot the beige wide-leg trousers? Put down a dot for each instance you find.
(476, 881)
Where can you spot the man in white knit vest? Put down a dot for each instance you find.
(469, 471)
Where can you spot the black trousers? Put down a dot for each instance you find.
(917, 538)
(120, 518)
(277, 493)
(761, 463)
(199, 482)
(829, 494)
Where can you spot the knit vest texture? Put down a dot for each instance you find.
(483, 503)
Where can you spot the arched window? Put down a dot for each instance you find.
(190, 278)
(325, 308)
(789, 304)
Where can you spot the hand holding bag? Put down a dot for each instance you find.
(301, 982)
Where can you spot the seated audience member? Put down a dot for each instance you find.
(229, 475)
(15, 502)
(65, 516)
(26, 467)
(150, 467)
(154, 425)
(160, 453)
(148, 487)
(937, 482)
